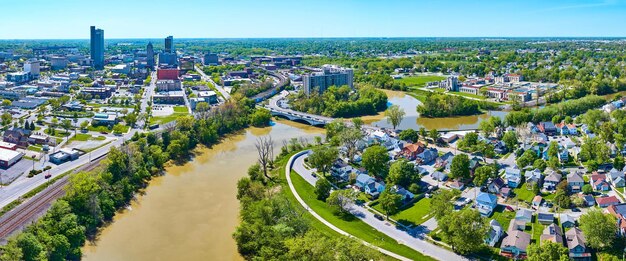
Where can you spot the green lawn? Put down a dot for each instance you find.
(181, 109)
(537, 231)
(413, 214)
(166, 119)
(419, 81)
(36, 148)
(85, 137)
(522, 193)
(503, 216)
(351, 224)
(468, 95)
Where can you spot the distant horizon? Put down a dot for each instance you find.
(338, 37)
(250, 19)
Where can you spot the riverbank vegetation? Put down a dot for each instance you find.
(92, 198)
(438, 105)
(274, 226)
(341, 102)
(567, 108)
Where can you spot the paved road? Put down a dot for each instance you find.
(274, 104)
(412, 240)
(318, 217)
(205, 77)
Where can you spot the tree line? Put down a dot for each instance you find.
(341, 102)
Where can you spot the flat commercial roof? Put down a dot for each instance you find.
(8, 155)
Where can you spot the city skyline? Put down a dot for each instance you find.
(314, 19)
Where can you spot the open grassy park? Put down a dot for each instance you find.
(419, 81)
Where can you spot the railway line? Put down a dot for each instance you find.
(32, 208)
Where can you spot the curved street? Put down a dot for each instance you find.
(415, 241)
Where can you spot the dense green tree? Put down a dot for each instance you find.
(375, 160)
(394, 115)
(510, 140)
(459, 168)
(323, 158)
(464, 230)
(482, 174)
(441, 203)
(390, 202)
(599, 229)
(322, 189)
(409, 135)
(402, 173)
(547, 251)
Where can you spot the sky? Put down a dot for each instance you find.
(70, 19)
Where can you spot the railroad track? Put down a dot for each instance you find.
(28, 210)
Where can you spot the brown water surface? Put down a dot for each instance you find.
(191, 212)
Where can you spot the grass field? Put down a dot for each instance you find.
(503, 216)
(36, 148)
(85, 137)
(419, 81)
(412, 215)
(469, 95)
(167, 119)
(352, 225)
(180, 109)
(522, 193)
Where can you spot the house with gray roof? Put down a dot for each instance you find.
(576, 244)
(550, 182)
(575, 182)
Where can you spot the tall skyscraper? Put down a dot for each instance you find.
(169, 44)
(150, 55)
(97, 48)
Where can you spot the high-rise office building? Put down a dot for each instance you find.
(169, 44)
(97, 48)
(329, 76)
(150, 55)
(211, 59)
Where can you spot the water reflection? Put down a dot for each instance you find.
(413, 120)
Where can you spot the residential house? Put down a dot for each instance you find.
(406, 195)
(532, 127)
(550, 182)
(380, 136)
(586, 131)
(17, 136)
(486, 203)
(442, 161)
(547, 128)
(575, 182)
(576, 244)
(545, 218)
(589, 200)
(494, 234)
(495, 186)
(439, 176)
(514, 245)
(617, 178)
(607, 201)
(457, 185)
(567, 221)
(598, 182)
(475, 162)
(410, 151)
(369, 185)
(499, 147)
(524, 215)
(513, 177)
(428, 155)
(449, 137)
(533, 177)
(619, 212)
(552, 233)
(537, 200)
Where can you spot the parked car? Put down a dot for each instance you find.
(47, 176)
(379, 217)
(575, 210)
